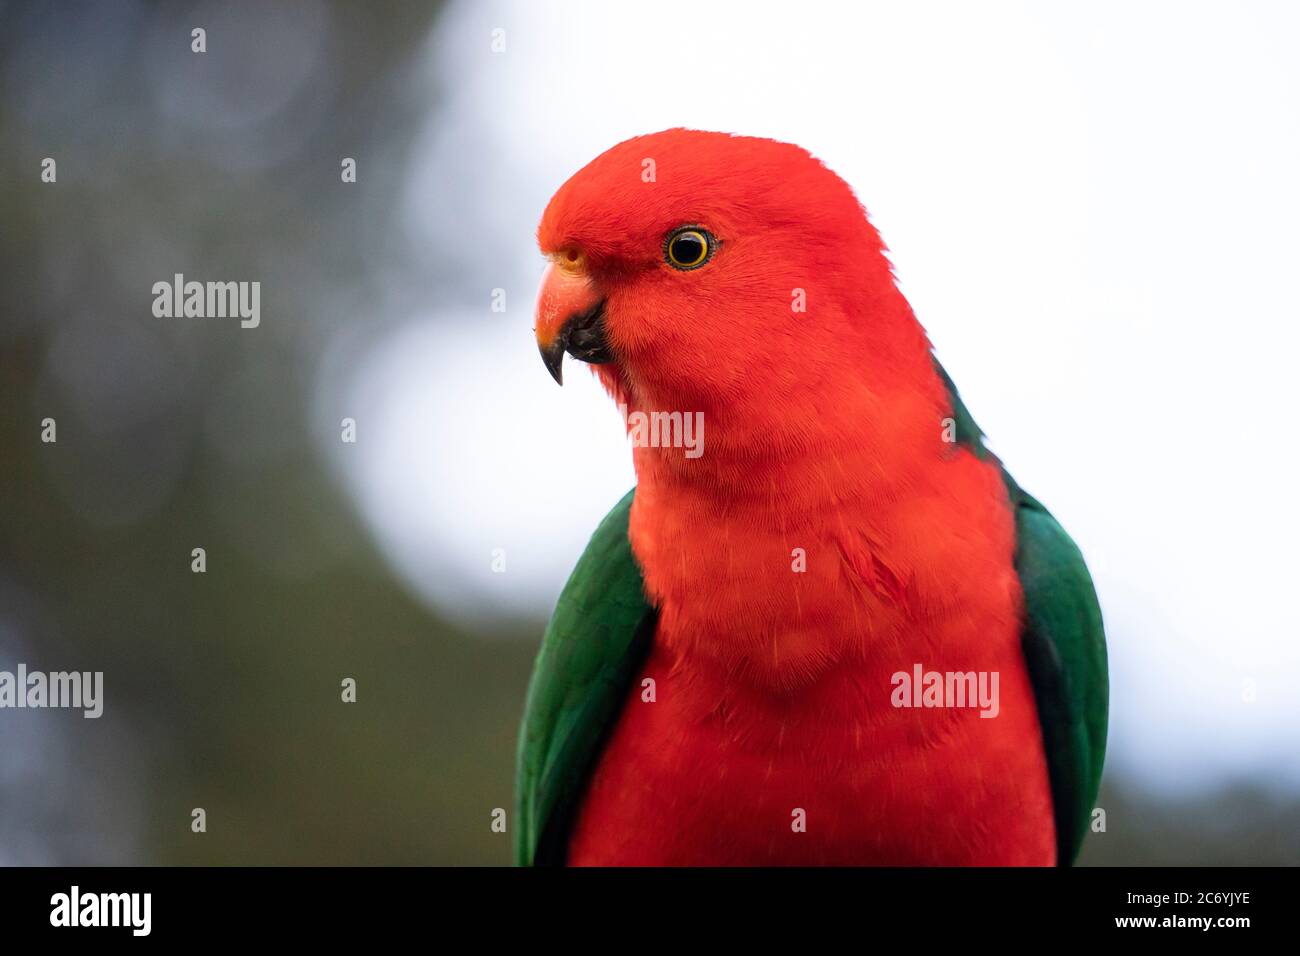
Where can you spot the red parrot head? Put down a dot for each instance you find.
(728, 274)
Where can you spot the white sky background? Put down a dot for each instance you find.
(1093, 208)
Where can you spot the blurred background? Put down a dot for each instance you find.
(1091, 207)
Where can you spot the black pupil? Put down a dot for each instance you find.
(688, 249)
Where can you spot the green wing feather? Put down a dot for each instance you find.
(1064, 647)
(592, 650)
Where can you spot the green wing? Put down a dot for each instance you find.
(594, 645)
(1064, 647)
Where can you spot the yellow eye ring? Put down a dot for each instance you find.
(688, 248)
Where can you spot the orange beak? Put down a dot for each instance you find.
(570, 315)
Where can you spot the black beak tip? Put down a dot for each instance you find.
(553, 358)
(583, 337)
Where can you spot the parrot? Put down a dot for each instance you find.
(838, 633)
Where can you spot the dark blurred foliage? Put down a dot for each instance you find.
(223, 689)
(1241, 825)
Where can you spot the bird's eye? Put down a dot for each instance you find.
(688, 248)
